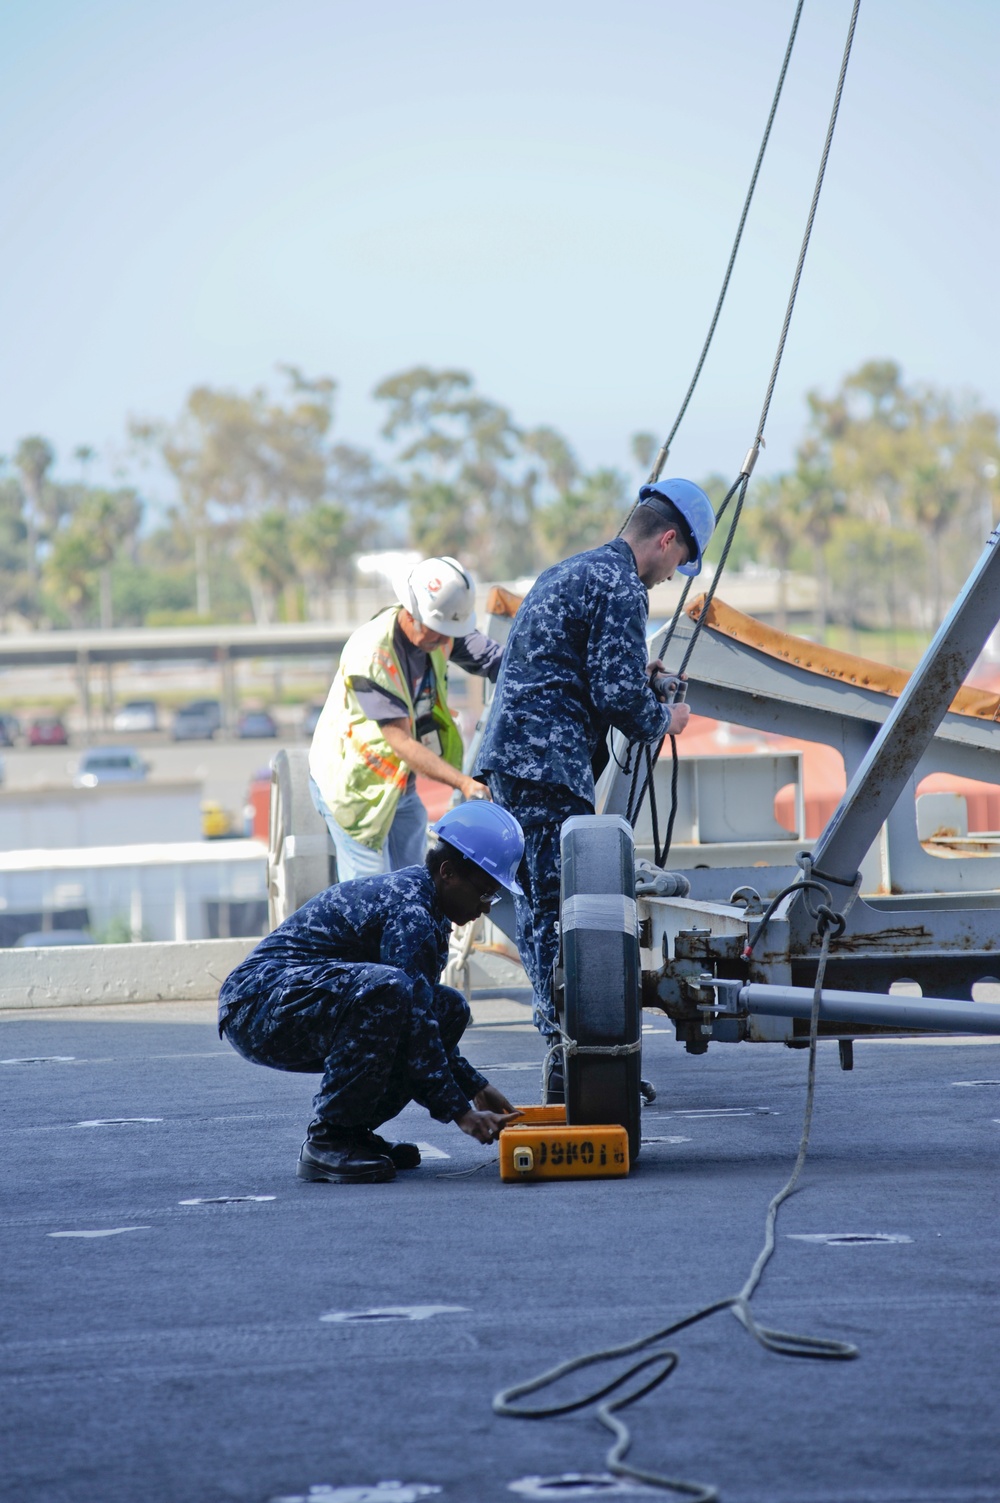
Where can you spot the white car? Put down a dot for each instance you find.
(137, 715)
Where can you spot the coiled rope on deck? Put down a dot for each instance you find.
(656, 1362)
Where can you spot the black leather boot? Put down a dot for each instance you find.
(402, 1155)
(342, 1156)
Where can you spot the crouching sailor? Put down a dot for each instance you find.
(347, 987)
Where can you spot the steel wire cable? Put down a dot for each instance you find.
(636, 797)
(664, 450)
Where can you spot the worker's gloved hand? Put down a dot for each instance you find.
(485, 1127)
(489, 1099)
(472, 789)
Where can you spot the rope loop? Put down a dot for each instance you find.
(829, 919)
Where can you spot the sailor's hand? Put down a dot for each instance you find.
(489, 1099)
(680, 714)
(473, 790)
(485, 1127)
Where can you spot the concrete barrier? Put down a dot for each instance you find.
(96, 975)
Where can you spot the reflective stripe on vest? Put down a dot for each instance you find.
(359, 775)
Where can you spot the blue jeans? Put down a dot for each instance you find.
(405, 844)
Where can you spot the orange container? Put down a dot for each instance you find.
(539, 1116)
(536, 1150)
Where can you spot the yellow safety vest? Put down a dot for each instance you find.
(359, 775)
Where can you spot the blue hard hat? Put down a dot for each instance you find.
(697, 511)
(487, 835)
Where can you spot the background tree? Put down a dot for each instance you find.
(266, 557)
(588, 514)
(905, 459)
(17, 593)
(235, 456)
(323, 549)
(467, 485)
(34, 457)
(70, 573)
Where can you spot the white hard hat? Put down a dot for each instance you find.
(438, 593)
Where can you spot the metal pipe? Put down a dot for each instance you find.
(873, 1007)
(912, 722)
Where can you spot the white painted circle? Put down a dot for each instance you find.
(581, 1485)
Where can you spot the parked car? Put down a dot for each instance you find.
(137, 715)
(197, 721)
(47, 730)
(310, 717)
(255, 724)
(109, 764)
(210, 708)
(46, 937)
(10, 729)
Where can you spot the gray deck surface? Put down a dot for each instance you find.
(186, 1359)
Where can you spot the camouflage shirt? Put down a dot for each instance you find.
(393, 920)
(574, 666)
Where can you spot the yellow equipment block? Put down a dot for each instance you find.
(539, 1116)
(539, 1149)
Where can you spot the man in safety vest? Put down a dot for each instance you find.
(575, 667)
(386, 718)
(347, 987)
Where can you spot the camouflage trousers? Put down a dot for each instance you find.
(541, 810)
(348, 1022)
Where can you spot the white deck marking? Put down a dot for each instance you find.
(393, 1312)
(725, 1111)
(382, 1492)
(41, 1059)
(674, 1138)
(115, 1121)
(224, 1200)
(849, 1239)
(113, 1231)
(428, 1151)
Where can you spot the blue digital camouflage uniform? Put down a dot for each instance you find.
(348, 987)
(574, 667)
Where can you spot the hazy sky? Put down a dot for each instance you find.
(541, 193)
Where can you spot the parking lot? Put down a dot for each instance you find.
(224, 766)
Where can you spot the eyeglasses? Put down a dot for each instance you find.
(491, 894)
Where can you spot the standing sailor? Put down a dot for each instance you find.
(575, 667)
